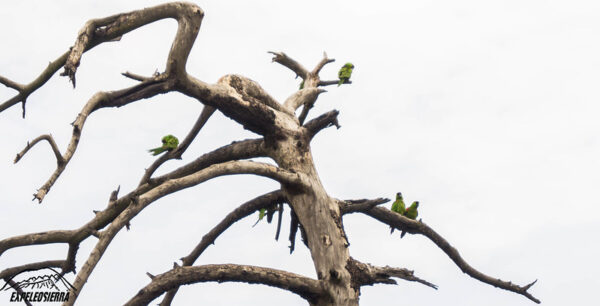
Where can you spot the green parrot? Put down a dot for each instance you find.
(345, 73)
(169, 143)
(411, 213)
(261, 214)
(398, 207)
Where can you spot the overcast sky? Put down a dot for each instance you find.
(486, 112)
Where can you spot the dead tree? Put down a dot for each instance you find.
(283, 137)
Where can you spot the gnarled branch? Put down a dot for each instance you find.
(366, 274)
(188, 15)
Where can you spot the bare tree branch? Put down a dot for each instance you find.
(239, 213)
(285, 140)
(352, 206)
(305, 287)
(168, 187)
(324, 121)
(97, 31)
(322, 64)
(252, 92)
(231, 98)
(35, 239)
(99, 100)
(234, 167)
(207, 111)
(417, 227)
(332, 82)
(11, 84)
(20, 291)
(26, 90)
(136, 77)
(290, 63)
(244, 149)
(188, 15)
(12, 272)
(59, 159)
(306, 96)
(366, 274)
(244, 210)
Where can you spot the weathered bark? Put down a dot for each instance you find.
(284, 138)
(319, 215)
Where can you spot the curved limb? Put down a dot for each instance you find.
(290, 63)
(59, 158)
(166, 188)
(113, 214)
(240, 99)
(237, 214)
(417, 227)
(189, 17)
(98, 31)
(308, 288)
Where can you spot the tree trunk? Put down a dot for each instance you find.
(319, 215)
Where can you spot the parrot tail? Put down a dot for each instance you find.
(156, 151)
(341, 82)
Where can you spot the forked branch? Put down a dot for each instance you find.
(311, 80)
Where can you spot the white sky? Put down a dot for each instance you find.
(485, 112)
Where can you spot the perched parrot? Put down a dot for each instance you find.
(398, 207)
(261, 214)
(345, 73)
(411, 213)
(269, 212)
(169, 143)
